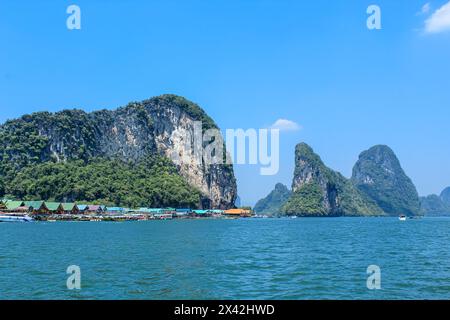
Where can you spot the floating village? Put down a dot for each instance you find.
(23, 211)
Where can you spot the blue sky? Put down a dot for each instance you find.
(249, 63)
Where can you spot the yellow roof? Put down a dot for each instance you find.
(236, 211)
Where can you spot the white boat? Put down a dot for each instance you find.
(402, 218)
(13, 218)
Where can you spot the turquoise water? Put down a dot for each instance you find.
(227, 259)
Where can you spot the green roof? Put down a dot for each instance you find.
(13, 205)
(52, 206)
(68, 206)
(34, 204)
(200, 211)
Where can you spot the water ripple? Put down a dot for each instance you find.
(228, 259)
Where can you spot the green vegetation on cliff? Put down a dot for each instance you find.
(306, 201)
(379, 175)
(353, 202)
(271, 205)
(192, 109)
(320, 191)
(153, 182)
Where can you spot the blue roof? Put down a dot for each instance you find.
(82, 207)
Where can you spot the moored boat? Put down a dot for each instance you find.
(402, 217)
(15, 218)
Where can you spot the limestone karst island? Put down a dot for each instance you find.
(115, 165)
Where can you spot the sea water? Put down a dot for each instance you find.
(315, 258)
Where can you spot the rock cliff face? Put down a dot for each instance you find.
(379, 175)
(320, 191)
(158, 126)
(271, 205)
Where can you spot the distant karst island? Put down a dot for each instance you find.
(436, 205)
(378, 187)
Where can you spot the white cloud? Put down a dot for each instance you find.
(426, 8)
(439, 20)
(285, 125)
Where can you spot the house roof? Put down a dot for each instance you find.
(13, 205)
(34, 204)
(236, 211)
(53, 206)
(200, 211)
(82, 207)
(69, 206)
(93, 207)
